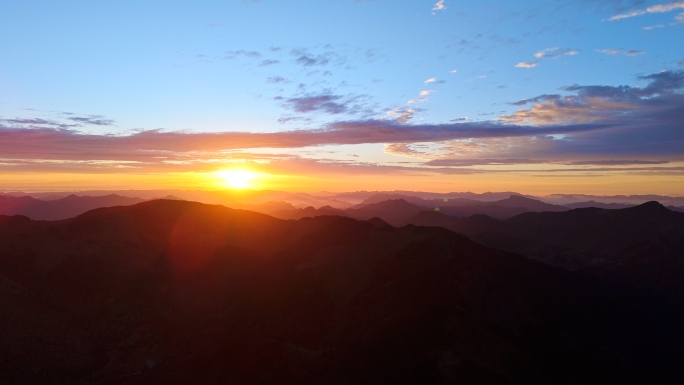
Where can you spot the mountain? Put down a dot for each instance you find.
(578, 238)
(564, 199)
(614, 206)
(517, 201)
(427, 203)
(398, 211)
(177, 292)
(493, 211)
(501, 209)
(359, 196)
(678, 209)
(62, 208)
(307, 212)
(393, 211)
(377, 198)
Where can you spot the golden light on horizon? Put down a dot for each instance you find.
(237, 179)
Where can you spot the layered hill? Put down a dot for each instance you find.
(174, 292)
(62, 208)
(582, 238)
(398, 211)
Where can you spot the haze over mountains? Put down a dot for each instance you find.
(361, 205)
(170, 291)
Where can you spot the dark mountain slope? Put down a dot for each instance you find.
(172, 292)
(639, 246)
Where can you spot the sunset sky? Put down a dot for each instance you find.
(337, 95)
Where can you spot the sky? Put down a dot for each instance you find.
(538, 97)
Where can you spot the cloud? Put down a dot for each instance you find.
(414, 101)
(431, 80)
(610, 51)
(659, 8)
(651, 27)
(402, 149)
(34, 122)
(305, 58)
(615, 51)
(324, 103)
(92, 120)
(268, 62)
(275, 79)
(80, 121)
(606, 125)
(461, 119)
(401, 115)
(453, 71)
(679, 19)
(242, 52)
(634, 52)
(548, 53)
(554, 53)
(423, 97)
(153, 145)
(527, 64)
(607, 104)
(616, 162)
(480, 162)
(439, 6)
(309, 61)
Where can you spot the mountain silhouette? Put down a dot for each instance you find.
(63, 208)
(529, 204)
(600, 205)
(177, 292)
(604, 242)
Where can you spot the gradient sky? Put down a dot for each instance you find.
(535, 96)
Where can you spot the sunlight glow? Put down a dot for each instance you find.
(238, 179)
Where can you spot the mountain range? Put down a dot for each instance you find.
(176, 292)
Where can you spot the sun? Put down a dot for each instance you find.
(238, 179)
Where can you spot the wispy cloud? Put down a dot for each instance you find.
(651, 27)
(268, 62)
(608, 125)
(418, 100)
(275, 79)
(634, 52)
(431, 80)
(610, 51)
(439, 6)
(615, 51)
(401, 115)
(679, 19)
(241, 52)
(548, 53)
(423, 97)
(608, 104)
(659, 8)
(554, 53)
(95, 120)
(324, 103)
(527, 64)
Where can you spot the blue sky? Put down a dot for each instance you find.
(106, 67)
